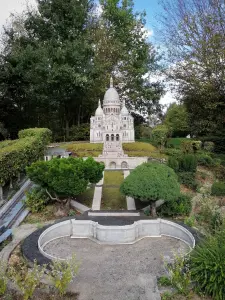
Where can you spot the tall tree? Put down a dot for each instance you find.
(51, 63)
(176, 119)
(193, 32)
(123, 49)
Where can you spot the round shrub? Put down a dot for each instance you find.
(207, 265)
(218, 188)
(36, 199)
(150, 182)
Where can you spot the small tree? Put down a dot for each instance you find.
(160, 134)
(150, 182)
(65, 177)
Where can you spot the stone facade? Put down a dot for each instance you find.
(113, 123)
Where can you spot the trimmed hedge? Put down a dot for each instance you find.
(22, 152)
(191, 146)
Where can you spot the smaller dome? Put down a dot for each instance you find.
(99, 110)
(124, 110)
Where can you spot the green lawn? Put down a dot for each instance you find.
(137, 149)
(113, 178)
(87, 197)
(112, 199)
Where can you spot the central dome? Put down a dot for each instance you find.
(111, 96)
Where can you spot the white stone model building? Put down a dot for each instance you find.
(113, 122)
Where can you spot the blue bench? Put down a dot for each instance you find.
(5, 235)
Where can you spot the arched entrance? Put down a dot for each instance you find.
(107, 137)
(117, 137)
(112, 165)
(124, 165)
(112, 137)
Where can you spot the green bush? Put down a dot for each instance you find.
(36, 199)
(176, 142)
(173, 163)
(188, 179)
(28, 148)
(208, 146)
(190, 146)
(218, 140)
(205, 160)
(179, 207)
(220, 172)
(188, 163)
(150, 182)
(209, 215)
(173, 152)
(208, 266)
(218, 188)
(160, 134)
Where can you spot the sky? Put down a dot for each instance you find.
(151, 7)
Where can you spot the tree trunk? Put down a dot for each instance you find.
(67, 129)
(11, 183)
(18, 177)
(1, 192)
(153, 209)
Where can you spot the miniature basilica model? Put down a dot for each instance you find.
(113, 122)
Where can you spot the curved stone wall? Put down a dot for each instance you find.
(127, 234)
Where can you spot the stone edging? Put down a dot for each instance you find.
(127, 234)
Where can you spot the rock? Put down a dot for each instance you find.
(60, 213)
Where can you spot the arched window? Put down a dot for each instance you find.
(117, 137)
(112, 137)
(107, 137)
(114, 110)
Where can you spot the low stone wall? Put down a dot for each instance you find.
(114, 234)
(121, 162)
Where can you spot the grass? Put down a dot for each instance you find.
(112, 199)
(113, 178)
(137, 149)
(83, 149)
(87, 197)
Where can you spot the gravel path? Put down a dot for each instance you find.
(117, 272)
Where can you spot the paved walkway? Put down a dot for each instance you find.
(130, 201)
(96, 204)
(117, 272)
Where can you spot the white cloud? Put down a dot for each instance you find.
(12, 6)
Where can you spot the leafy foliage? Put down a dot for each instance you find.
(15, 156)
(188, 179)
(57, 60)
(180, 275)
(36, 199)
(173, 163)
(3, 278)
(150, 182)
(218, 188)
(62, 273)
(208, 266)
(66, 176)
(179, 207)
(27, 279)
(190, 146)
(80, 133)
(160, 134)
(177, 120)
(193, 33)
(188, 163)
